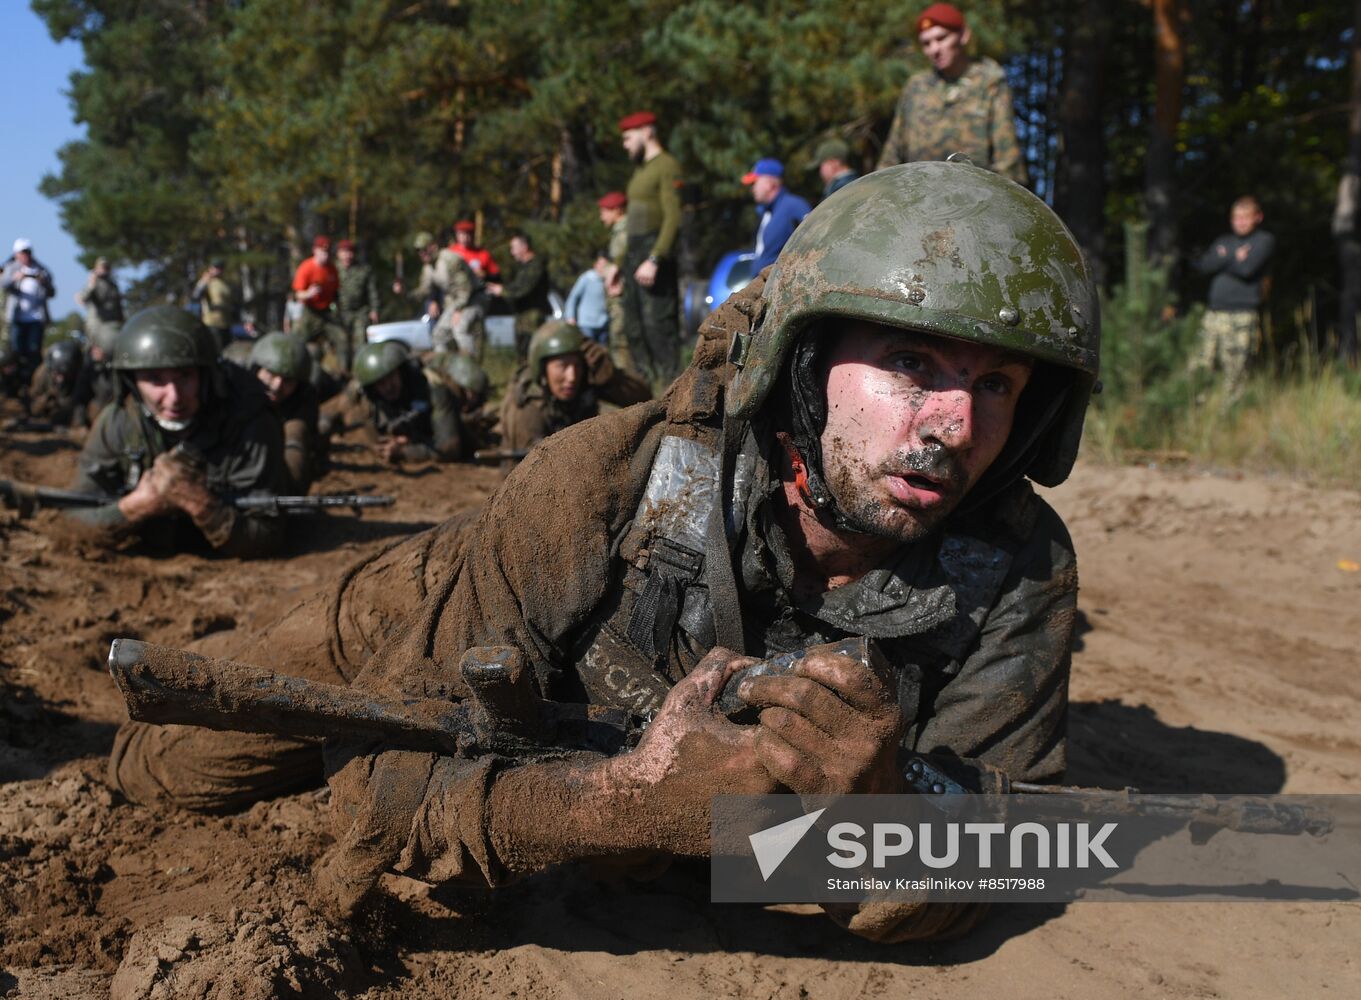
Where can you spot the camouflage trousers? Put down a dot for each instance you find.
(321, 331)
(462, 330)
(1227, 339)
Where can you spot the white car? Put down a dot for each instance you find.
(415, 333)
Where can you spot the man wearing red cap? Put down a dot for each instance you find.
(357, 302)
(479, 258)
(646, 273)
(614, 217)
(315, 285)
(959, 105)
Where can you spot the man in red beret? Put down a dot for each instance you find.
(614, 217)
(316, 284)
(959, 105)
(645, 275)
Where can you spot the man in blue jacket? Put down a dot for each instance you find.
(780, 211)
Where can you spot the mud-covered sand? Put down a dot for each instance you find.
(1217, 652)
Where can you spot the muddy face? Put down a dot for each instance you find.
(913, 422)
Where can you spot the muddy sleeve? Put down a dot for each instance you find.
(529, 589)
(297, 454)
(99, 470)
(1008, 705)
(612, 383)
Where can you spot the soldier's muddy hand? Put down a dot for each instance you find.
(145, 501)
(689, 753)
(599, 366)
(830, 727)
(181, 485)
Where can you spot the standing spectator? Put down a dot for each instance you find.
(586, 303)
(479, 258)
(614, 217)
(219, 302)
(470, 332)
(526, 291)
(1232, 327)
(647, 273)
(101, 300)
(959, 105)
(779, 210)
(316, 283)
(447, 287)
(832, 162)
(29, 286)
(357, 302)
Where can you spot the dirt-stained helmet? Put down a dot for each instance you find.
(164, 337)
(104, 335)
(64, 358)
(283, 355)
(552, 340)
(949, 249)
(464, 371)
(375, 361)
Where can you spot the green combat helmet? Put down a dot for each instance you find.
(64, 358)
(163, 337)
(375, 361)
(948, 249)
(283, 355)
(552, 340)
(465, 372)
(104, 335)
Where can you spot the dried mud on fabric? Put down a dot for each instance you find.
(1216, 652)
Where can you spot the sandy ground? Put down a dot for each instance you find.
(1217, 653)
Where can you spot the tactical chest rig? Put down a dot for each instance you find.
(674, 597)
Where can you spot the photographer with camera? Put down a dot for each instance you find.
(29, 286)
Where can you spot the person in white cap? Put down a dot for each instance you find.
(28, 286)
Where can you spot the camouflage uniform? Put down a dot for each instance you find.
(55, 400)
(453, 284)
(358, 296)
(619, 344)
(219, 307)
(1225, 342)
(970, 115)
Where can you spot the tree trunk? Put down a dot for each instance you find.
(1080, 186)
(1345, 216)
(1159, 177)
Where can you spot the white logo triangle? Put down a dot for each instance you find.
(771, 846)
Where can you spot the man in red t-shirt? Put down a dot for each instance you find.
(315, 285)
(478, 258)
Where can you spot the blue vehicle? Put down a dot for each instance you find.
(731, 275)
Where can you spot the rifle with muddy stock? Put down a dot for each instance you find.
(26, 498)
(503, 714)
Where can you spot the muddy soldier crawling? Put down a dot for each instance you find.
(847, 455)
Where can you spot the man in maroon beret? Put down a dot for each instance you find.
(959, 105)
(613, 207)
(645, 274)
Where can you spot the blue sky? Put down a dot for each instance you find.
(38, 121)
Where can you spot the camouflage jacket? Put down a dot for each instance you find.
(970, 115)
(358, 293)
